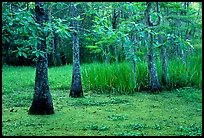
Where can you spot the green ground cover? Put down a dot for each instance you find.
(177, 112)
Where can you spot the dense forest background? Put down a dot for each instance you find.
(108, 32)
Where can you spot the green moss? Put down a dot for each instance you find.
(143, 114)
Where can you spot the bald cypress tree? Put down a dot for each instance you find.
(76, 86)
(154, 84)
(42, 100)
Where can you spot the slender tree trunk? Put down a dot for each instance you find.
(27, 5)
(57, 57)
(154, 84)
(114, 27)
(133, 51)
(182, 55)
(76, 87)
(124, 55)
(164, 62)
(164, 58)
(134, 69)
(107, 55)
(42, 101)
(124, 51)
(114, 20)
(135, 73)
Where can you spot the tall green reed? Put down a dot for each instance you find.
(118, 77)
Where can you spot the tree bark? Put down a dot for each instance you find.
(76, 86)
(154, 84)
(42, 101)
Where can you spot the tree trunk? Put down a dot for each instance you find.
(154, 84)
(164, 62)
(57, 57)
(134, 69)
(107, 55)
(182, 55)
(76, 87)
(27, 5)
(135, 40)
(114, 27)
(42, 101)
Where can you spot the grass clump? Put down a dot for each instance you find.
(101, 77)
(118, 77)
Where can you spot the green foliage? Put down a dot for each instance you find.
(20, 28)
(96, 20)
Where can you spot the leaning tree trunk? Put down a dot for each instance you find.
(76, 87)
(154, 84)
(42, 101)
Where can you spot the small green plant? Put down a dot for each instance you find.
(117, 117)
(137, 126)
(192, 130)
(93, 127)
(157, 127)
(97, 127)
